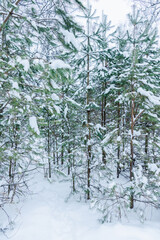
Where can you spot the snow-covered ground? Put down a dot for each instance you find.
(47, 216)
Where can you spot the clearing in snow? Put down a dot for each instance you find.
(48, 215)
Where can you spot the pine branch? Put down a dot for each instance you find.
(9, 15)
(138, 116)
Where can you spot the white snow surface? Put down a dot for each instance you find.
(56, 64)
(14, 93)
(33, 124)
(54, 85)
(28, 98)
(54, 97)
(24, 62)
(57, 108)
(70, 38)
(119, 139)
(15, 85)
(153, 99)
(47, 215)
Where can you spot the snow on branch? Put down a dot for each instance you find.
(33, 124)
(9, 15)
(153, 99)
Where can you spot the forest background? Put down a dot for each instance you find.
(81, 102)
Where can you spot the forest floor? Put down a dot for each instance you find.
(46, 215)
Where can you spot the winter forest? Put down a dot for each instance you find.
(80, 108)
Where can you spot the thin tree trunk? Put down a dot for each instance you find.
(88, 116)
(73, 172)
(12, 163)
(132, 117)
(132, 152)
(57, 157)
(69, 154)
(146, 149)
(49, 157)
(103, 118)
(10, 176)
(118, 150)
(88, 136)
(62, 151)
(123, 144)
(54, 155)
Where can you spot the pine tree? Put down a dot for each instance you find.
(28, 69)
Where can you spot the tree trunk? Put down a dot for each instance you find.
(69, 154)
(88, 117)
(103, 118)
(62, 150)
(10, 176)
(49, 157)
(57, 157)
(146, 148)
(118, 150)
(132, 151)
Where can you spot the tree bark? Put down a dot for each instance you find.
(88, 114)
(118, 150)
(49, 157)
(103, 118)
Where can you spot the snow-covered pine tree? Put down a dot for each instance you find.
(133, 84)
(25, 74)
(142, 76)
